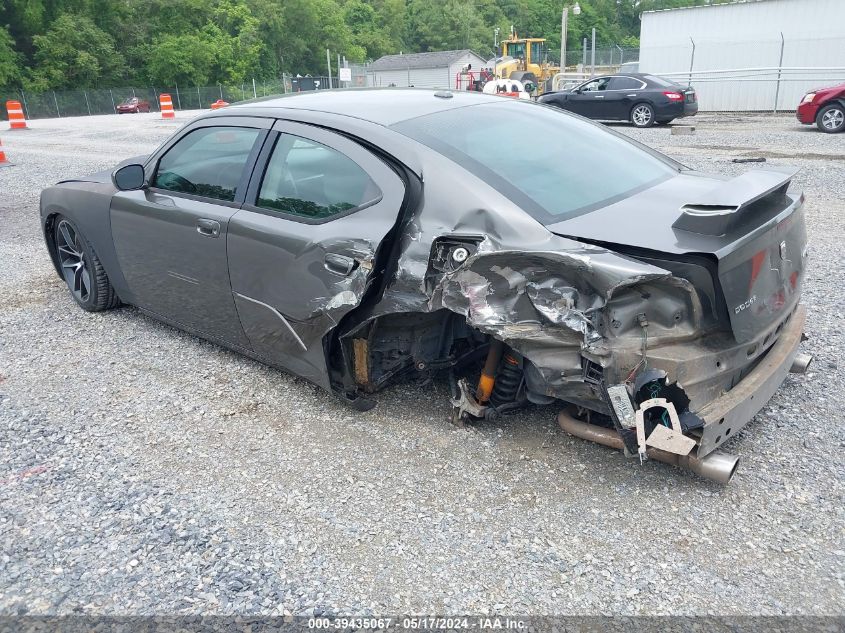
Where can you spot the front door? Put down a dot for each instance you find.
(589, 100)
(170, 237)
(303, 249)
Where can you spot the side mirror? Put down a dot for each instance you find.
(129, 177)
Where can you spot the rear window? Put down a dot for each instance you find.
(554, 165)
(660, 81)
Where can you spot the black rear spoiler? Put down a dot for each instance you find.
(721, 207)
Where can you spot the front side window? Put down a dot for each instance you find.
(557, 167)
(536, 52)
(310, 180)
(207, 162)
(596, 84)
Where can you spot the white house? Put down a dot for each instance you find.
(422, 70)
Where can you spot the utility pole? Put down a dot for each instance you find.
(564, 28)
(593, 55)
(563, 17)
(329, 66)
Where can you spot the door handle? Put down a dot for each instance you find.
(339, 264)
(599, 96)
(209, 228)
(631, 95)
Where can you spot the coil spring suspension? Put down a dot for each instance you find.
(508, 381)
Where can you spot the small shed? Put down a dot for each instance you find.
(422, 70)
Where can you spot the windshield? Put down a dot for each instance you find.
(516, 50)
(554, 165)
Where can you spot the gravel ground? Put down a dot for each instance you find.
(145, 471)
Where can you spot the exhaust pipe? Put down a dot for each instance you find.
(801, 363)
(718, 467)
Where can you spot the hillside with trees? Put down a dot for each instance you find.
(68, 44)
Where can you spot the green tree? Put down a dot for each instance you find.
(367, 29)
(75, 53)
(188, 59)
(446, 25)
(10, 61)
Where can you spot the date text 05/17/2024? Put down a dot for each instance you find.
(419, 623)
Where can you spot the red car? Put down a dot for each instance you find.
(133, 105)
(824, 107)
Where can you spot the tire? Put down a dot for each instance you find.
(81, 269)
(831, 118)
(642, 115)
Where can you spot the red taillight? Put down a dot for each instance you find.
(674, 96)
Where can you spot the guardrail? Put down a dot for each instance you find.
(562, 81)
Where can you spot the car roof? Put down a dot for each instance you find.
(384, 106)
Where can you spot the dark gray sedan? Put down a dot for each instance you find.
(636, 97)
(358, 238)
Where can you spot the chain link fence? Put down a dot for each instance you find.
(606, 57)
(64, 103)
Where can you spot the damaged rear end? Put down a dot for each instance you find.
(658, 306)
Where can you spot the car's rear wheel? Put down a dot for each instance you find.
(81, 268)
(642, 115)
(831, 118)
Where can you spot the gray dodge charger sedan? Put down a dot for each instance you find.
(358, 238)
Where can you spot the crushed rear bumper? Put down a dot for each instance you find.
(726, 415)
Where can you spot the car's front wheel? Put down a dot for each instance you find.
(81, 268)
(831, 118)
(642, 115)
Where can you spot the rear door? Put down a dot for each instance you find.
(621, 95)
(170, 237)
(303, 248)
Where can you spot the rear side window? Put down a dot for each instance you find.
(625, 83)
(310, 180)
(660, 81)
(557, 166)
(207, 162)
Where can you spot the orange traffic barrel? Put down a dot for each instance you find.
(219, 104)
(166, 104)
(17, 120)
(4, 162)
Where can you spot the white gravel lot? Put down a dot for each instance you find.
(145, 471)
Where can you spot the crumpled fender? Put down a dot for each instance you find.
(513, 294)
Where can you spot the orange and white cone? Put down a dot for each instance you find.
(4, 162)
(166, 104)
(17, 120)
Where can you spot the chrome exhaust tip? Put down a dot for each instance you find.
(718, 467)
(801, 363)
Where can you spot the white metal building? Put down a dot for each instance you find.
(748, 55)
(422, 70)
